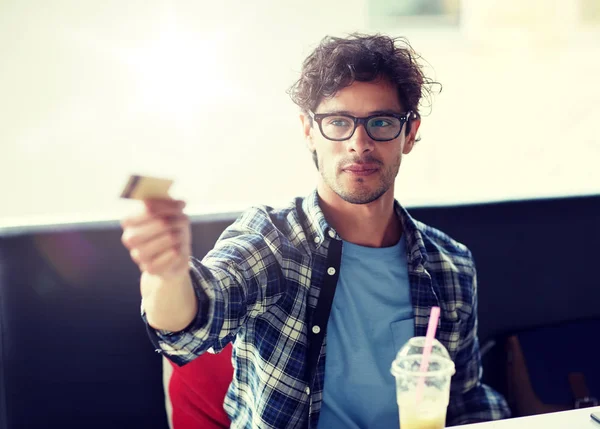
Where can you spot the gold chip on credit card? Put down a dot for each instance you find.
(145, 187)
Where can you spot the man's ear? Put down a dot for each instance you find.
(409, 143)
(307, 130)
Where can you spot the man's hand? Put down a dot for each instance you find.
(159, 238)
(159, 242)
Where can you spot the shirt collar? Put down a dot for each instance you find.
(416, 251)
(318, 229)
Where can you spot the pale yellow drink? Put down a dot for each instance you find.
(429, 414)
(422, 396)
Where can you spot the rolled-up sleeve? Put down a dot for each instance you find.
(238, 279)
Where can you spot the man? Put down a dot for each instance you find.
(268, 283)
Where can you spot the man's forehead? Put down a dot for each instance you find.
(364, 97)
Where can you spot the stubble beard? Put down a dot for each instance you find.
(361, 194)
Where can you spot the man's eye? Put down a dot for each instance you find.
(381, 122)
(339, 122)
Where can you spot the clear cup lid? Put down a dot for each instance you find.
(414, 349)
(416, 345)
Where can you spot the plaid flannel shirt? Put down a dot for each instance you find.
(259, 286)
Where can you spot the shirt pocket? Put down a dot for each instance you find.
(403, 329)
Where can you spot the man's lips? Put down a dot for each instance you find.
(360, 169)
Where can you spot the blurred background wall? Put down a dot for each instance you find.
(195, 90)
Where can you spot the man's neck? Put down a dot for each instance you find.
(372, 225)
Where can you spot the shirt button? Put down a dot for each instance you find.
(307, 390)
(317, 239)
(331, 233)
(316, 329)
(331, 271)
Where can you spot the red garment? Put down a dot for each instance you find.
(197, 391)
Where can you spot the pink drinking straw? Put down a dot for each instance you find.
(433, 322)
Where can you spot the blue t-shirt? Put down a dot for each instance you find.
(371, 319)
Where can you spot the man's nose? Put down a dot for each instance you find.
(360, 142)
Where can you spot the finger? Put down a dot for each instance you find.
(135, 236)
(146, 215)
(171, 239)
(151, 210)
(138, 235)
(161, 263)
(154, 205)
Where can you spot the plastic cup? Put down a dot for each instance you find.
(429, 411)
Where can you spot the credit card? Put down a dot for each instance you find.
(146, 187)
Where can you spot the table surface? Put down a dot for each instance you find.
(576, 419)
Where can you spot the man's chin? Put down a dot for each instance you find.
(359, 197)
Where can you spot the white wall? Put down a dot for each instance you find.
(93, 91)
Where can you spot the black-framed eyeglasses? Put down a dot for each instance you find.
(381, 128)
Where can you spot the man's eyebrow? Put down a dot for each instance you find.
(375, 112)
(386, 112)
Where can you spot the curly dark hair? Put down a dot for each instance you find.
(337, 62)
